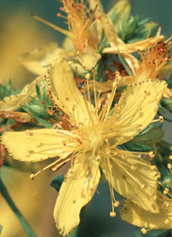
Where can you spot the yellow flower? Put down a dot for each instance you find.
(93, 143)
(134, 215)
(154, 61)
(80, 32)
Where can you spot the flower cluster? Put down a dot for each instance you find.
(99, 113)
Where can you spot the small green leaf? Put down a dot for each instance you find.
(150, 135)
(38, 110)
(16, 211)
(38, 92)
(125, 65)
(137, 147)
(40, 120)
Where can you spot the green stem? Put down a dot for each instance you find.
(18, 214)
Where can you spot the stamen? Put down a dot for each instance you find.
(143, 230)
(112, 214)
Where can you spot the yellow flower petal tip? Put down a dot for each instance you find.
(77, 190)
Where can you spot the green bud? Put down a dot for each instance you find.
(39, 110)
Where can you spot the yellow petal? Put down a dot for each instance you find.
(88, 60)
(133, 179)
(137, 108)
(76, 191)
(133, 47)
(96, 28)
(37, 145)
(134, 215)
(65, 92)
(39, 59)
(110, 32)
(107, 85)
(13, 102)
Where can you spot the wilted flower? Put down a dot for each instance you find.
(79, 24)
(13, 102)
(93, 141)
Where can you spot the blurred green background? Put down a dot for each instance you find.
(19, 33)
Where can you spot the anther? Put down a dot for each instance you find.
(166, 190)
(161, 118)
(87, 76)
(169, 166)
(65, 176)
(32, 176)
(147, 92)
(153, 167)
(143, 186)
(116, 204)
(143, 230)
(166, 221)
(166, 204)
(124, 156)
(151, 154)
(133, 167)
(112, 214)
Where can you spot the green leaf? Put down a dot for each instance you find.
(102, 45)
(7, 90)
(153, 134)
(38, 92)
(146, 129)
(167, 103)
(40, 120)
(57, 182)
(125, 65)
(137, 147)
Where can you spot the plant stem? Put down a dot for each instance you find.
(18, 214)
